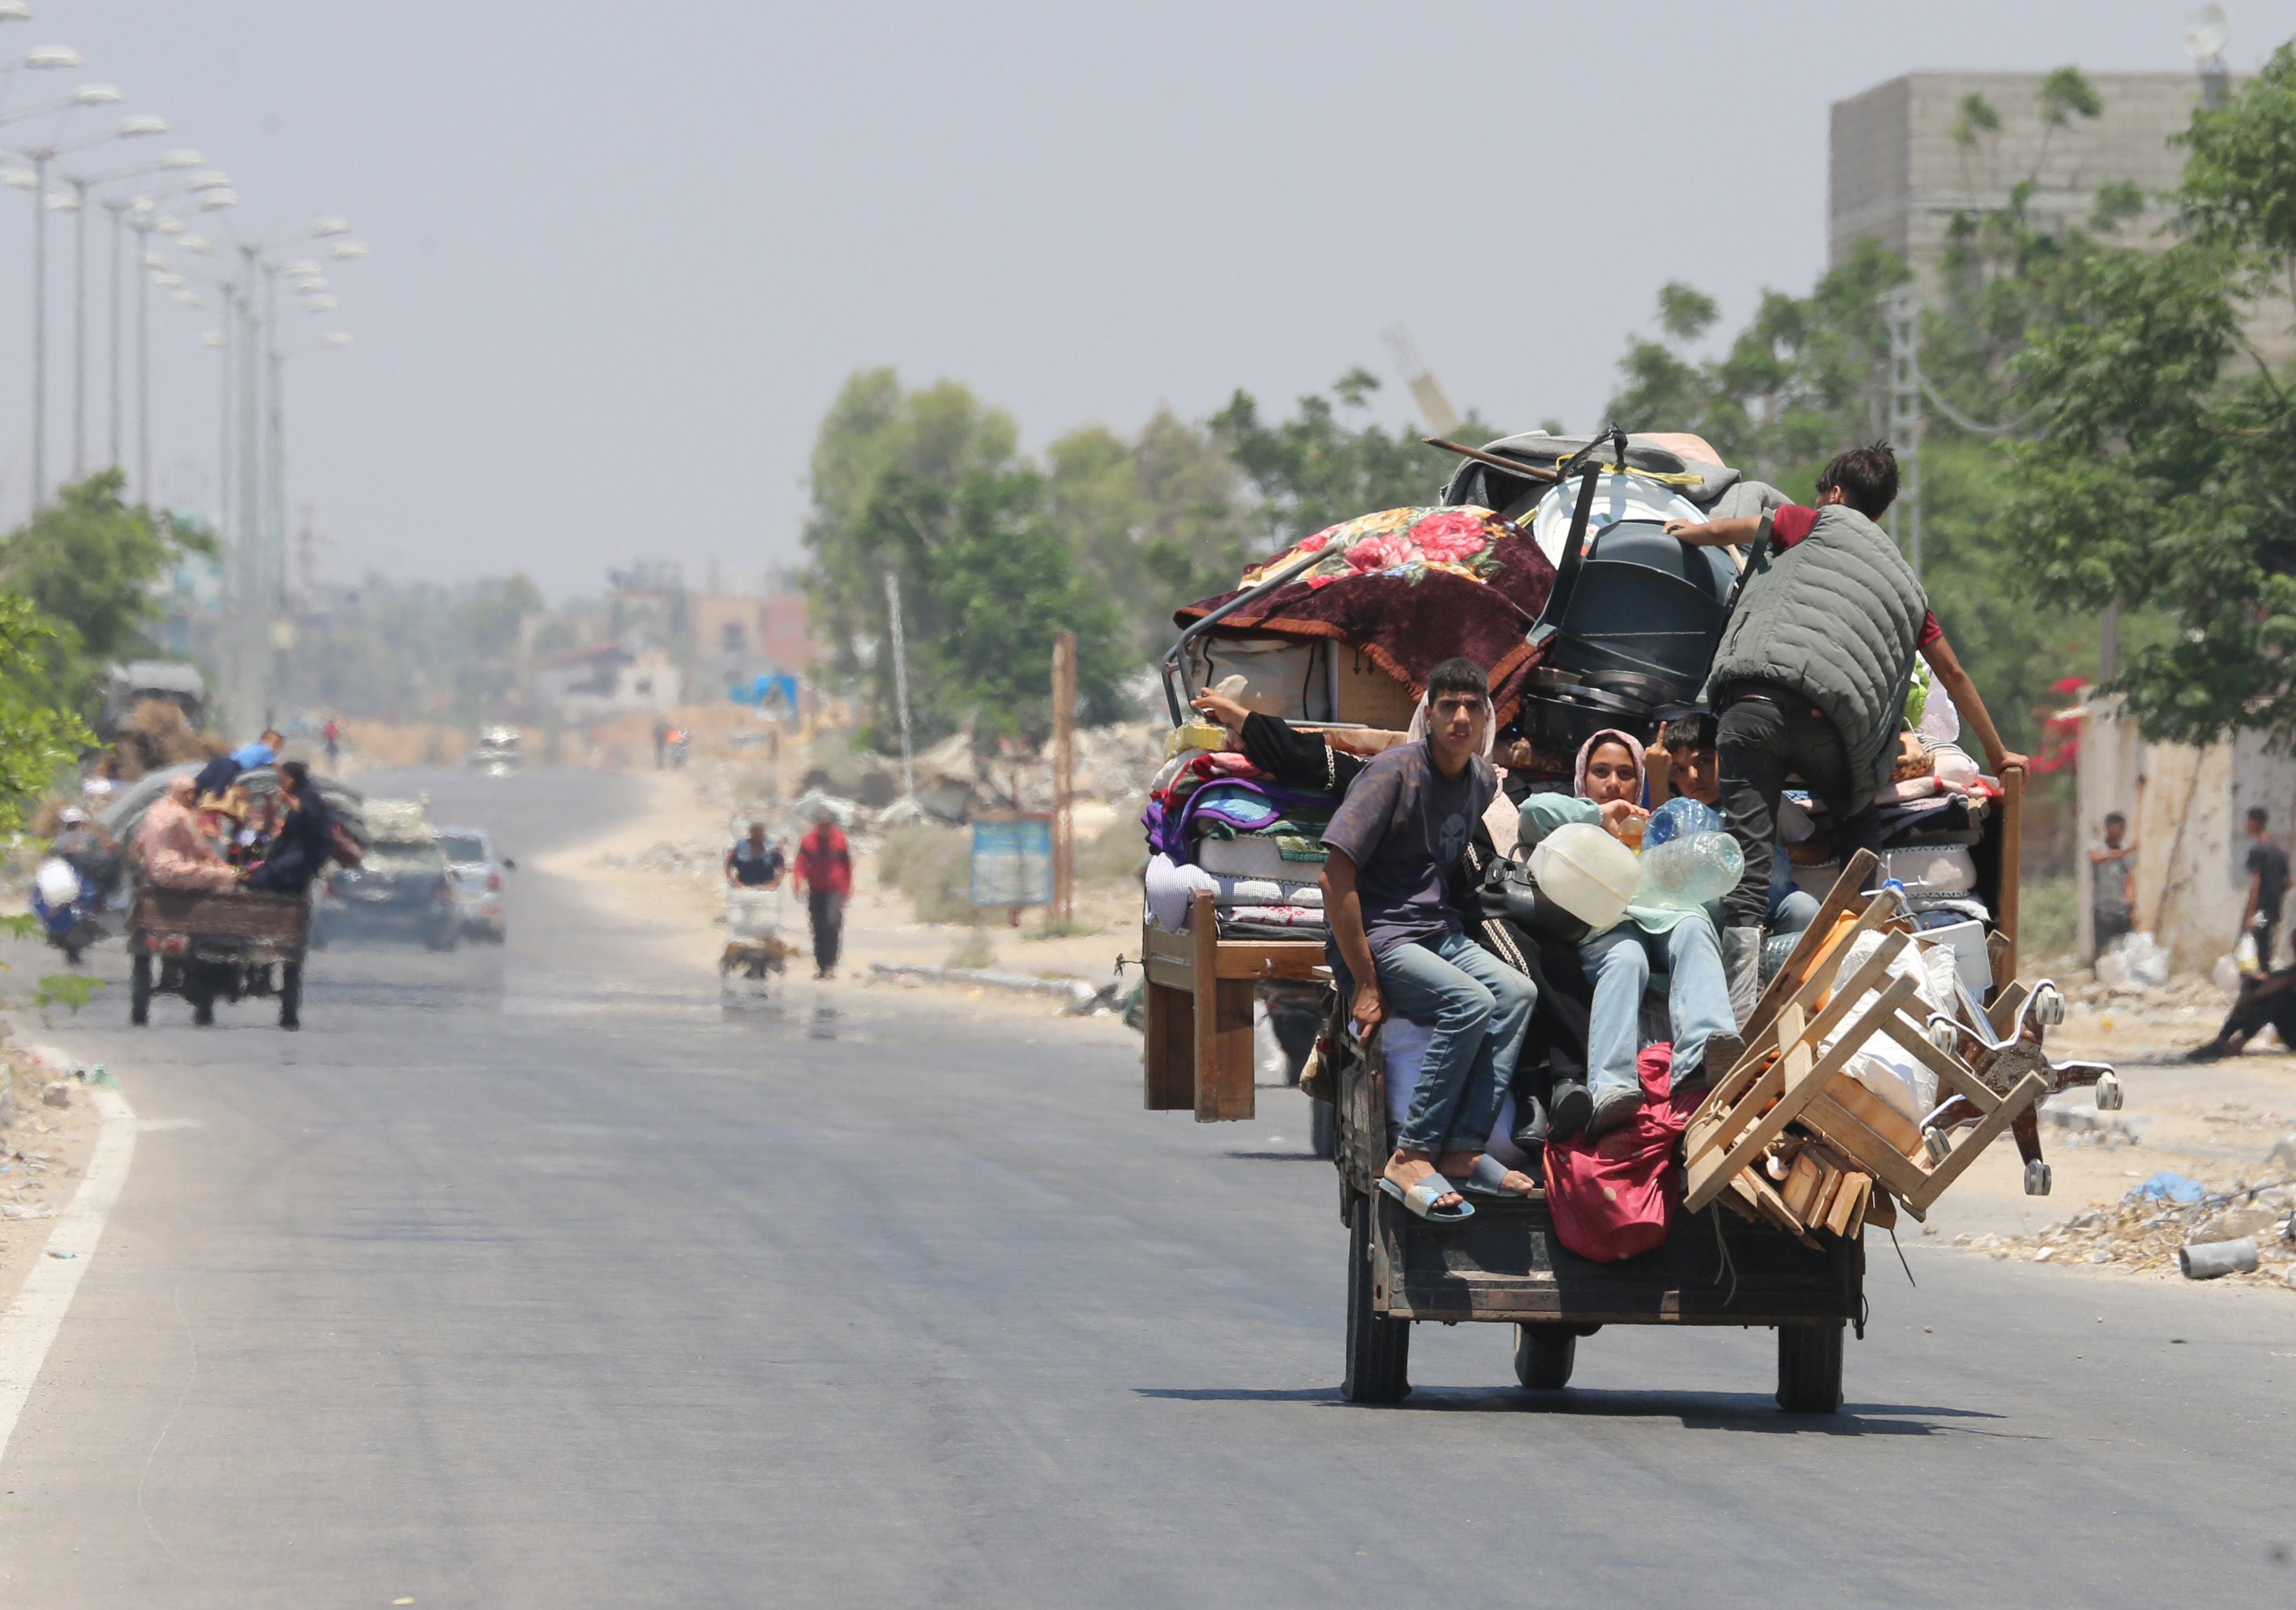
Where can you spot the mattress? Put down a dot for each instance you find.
(1251, 855)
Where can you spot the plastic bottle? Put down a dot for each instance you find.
(1678, 818)
(1688, 872)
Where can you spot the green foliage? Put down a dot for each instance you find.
(70, 990)
(1683, 313)
(1318, 468)
(36, 739)
(90, 564)
(2160, 474)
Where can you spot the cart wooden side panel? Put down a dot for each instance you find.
(1198, 1051)
(281, 919)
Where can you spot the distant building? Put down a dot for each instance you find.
(607, 681)
(1897, 174)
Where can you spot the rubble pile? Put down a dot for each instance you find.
(2141, 1234)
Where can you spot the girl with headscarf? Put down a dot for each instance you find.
(1620, 960)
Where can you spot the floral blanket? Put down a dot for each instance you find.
(1409, 589)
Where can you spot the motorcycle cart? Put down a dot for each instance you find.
(234, 946)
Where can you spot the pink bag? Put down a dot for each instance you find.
(1612, 1198)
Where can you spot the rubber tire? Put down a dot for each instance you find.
(1544, 1356)
(1809, 1368)
(1322, 1129)
(139, 992)
(1379, 1349)
(290, 995)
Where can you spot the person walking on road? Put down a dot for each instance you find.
(2113, 891)
(2267, 886)
(334, 734)
(825, 871)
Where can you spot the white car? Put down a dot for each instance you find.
(477, 872)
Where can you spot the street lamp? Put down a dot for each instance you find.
(139, 126)
(40, 156)
(118, 207)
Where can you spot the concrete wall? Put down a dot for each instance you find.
(2187, 808)
(1897, 174)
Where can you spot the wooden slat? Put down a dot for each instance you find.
(1169, 1053)
(1223, 1026)
(1846, 895)
(1881, 1209)
(1949, 1069)
(1768, 1085)
(1803, 1079)
(1845, 1132)
(1269, 959)
(1894, 1127)
(2029, 1090)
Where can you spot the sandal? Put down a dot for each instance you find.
(1420, 1199)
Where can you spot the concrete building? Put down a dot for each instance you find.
(1897, 174)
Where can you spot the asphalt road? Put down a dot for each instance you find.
(534, 1276)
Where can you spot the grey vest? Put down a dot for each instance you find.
(1834, 618)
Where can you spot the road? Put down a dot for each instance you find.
(533, 1276)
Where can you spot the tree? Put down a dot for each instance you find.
(2158, 472)
(930, 485)
(36, 739)
(89, 565)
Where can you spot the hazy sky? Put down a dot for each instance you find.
(623, 255)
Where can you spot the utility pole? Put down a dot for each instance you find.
(1903, 310)
(1064, 777)
(900, 681)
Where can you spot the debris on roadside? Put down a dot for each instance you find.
(2171, 1221)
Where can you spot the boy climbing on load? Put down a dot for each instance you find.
(1403, 947)
(1811, 675)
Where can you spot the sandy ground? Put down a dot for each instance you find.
(43, 1150)
(879, 925)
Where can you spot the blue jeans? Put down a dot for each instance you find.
(1698, 1000)
(1480, 1007)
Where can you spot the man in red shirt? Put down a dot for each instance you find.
(825, 871)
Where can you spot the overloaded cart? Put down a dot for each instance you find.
(1892, 1044)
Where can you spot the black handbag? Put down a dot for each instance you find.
(1507, 891)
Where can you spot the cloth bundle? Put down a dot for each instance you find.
(1219, 822)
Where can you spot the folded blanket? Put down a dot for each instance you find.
(1266, 891)
(1280, 857)
(1278, 917)
(1171, 888)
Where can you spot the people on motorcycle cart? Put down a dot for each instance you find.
(299, 848)
(175, 853)
(753, 863)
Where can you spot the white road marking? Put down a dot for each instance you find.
(30, 1325)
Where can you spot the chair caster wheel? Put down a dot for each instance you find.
(2108, 1093)
(2036, 1179)
(1944, 1035)
(2048, 1007)
(1938, 1143)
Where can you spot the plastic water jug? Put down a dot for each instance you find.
(1587, 871)
(58, 883)
(1678, 818)
(1685, 873)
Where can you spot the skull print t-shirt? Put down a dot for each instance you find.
(1405, 825)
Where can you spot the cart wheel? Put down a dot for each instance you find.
(1809, 1368)
(2036, 1179)
(2048, 1007)
(2108, 1093)
(1543, 1355)
(290, 995)
(1379, 1349)
(139, 992)
(1322, 1125)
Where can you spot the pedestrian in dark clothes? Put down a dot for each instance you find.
(2267, 886)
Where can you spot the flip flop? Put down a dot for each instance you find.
(1420, 1199)
(1488, 1178)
